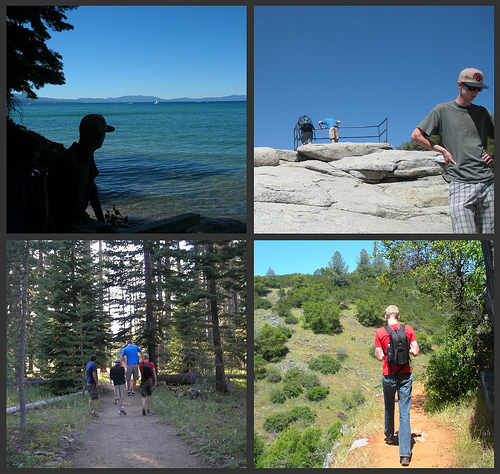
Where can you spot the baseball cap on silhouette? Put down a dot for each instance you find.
(117, 361)
(94, 125)
(472, 77)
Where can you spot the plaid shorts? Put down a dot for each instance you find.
(472, 207)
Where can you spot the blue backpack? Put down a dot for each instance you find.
(305, 124)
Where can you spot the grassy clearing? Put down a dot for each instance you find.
(216, 427)
(49, 430)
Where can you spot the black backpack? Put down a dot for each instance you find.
(398, 350)
(305, 124)
(147, 372)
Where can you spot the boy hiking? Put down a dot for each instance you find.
(148, 372)
(117, 375)
(92, 383)
(393, 345)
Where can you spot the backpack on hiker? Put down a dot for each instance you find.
(398, 349)
(147, 372)
(305, 124)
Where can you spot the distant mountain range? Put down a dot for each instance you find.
(133, 98)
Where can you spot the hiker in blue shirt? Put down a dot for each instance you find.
(130, 352)
(92, 382)
(333, 128)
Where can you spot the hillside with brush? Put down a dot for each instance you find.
(318, 395)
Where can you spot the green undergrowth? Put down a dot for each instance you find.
(213, 425)
(49, 430)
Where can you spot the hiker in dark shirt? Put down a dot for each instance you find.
(396, 378)
(92, 382)
(117, 375)
(71, 181)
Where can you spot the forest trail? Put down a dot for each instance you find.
(132, 440)
(431, 443)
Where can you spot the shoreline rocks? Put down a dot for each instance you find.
(349, 188)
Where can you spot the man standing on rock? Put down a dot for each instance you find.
(130, 353)
(397, 377)
(464, 130)
(333, 128)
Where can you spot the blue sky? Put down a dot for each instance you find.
(361, 64)
(163, 51)
(305, 256)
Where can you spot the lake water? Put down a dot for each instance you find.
(162, 160)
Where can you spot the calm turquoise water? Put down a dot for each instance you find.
(162, 160)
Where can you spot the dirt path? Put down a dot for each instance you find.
(132, 440)
(431, 444)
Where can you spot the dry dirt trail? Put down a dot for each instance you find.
(431, 444)
(132, 440)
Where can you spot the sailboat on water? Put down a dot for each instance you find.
(157, 102)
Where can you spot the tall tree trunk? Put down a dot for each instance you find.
(22, 337)
(149, 290)
(220, 376)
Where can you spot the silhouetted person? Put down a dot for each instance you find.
(27, 198)
(71, 181)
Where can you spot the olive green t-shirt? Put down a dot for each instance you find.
(464, 132)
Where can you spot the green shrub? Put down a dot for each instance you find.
(277, 422)
(305, 380)
(261, 303)
(271, 343)
(303, 414)
(277, 396)
(450, 373)
(322, 317)
(292, 388)
(273, 375)
(370, 312)
(315, 394)
(290, 318)
(324, 364)
(259, 364)
(296, 449)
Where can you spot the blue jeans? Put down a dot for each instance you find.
(402, 383)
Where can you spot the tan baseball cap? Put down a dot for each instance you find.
(472, 77)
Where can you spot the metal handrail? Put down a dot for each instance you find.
(385, 123)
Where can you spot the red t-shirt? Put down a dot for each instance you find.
(382, 340)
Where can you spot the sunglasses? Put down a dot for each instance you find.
(472, 89)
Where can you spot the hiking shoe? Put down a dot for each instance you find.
(122, 410)
(133, 393)
(390, 440)
(129, 393)
(144, 411)
(405, 460)
(93, 413)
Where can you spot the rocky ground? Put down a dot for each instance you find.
(350, 188)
